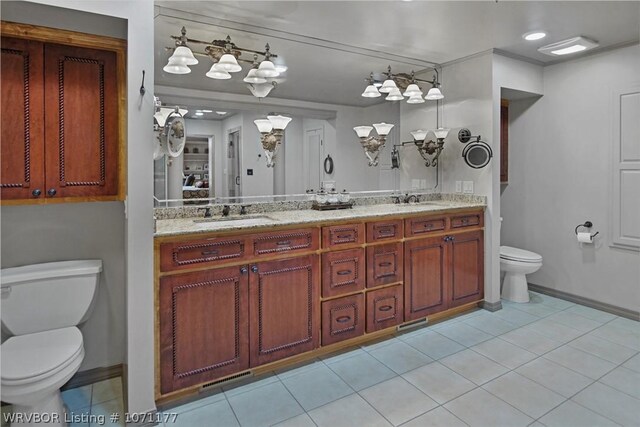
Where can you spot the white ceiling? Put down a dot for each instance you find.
(330, 46)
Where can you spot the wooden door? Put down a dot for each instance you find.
(81, 122)
(284, 308)
(426, 277)
(504, 141)
(204, 326)
(467, 267)
(22, 112)
(384, 264)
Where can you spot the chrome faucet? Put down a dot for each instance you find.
(207, 211)
(407, 198)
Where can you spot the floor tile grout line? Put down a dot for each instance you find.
(226, 399)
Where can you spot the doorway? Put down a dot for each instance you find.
(314, 155)
(234, 184)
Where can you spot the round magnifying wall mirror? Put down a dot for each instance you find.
(477, 154)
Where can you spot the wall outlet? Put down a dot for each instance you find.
(467, 187)
(415, 184)
(329, 185)
(458, 186)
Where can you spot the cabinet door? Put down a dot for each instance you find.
(22, 136)
(384, 264)
(284, 308)
(204, 326)
(81, 122)
(426, 277)
(467, 267)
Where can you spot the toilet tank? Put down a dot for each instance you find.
(42, 297)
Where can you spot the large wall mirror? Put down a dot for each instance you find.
(320, 91)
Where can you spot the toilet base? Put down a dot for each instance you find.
(51, 411)
(515, 287)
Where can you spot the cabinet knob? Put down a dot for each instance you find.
(51, 192)
(36, 193)
(243, 270)
(254, 268)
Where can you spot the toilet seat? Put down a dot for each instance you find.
(520, 255)
(33, 357)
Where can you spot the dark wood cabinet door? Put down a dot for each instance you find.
(81, 122)
(426, 277)
(343, 272)
(504, 141)
(467, 267)
(22, 109)
(384, 308)
(384, 264)
(343, 318)
(284, 308)
(204, 326)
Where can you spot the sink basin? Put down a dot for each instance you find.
(248, 220)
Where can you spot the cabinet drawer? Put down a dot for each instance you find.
(385, 230)
(196, 253)
(424, 225)
(384, 264)
(467, 220)
(342, 235)
(343, 272)
(384, 308)
(290, 241)
(342, 318)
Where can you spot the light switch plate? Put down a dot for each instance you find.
(458, 186)
(467, 187)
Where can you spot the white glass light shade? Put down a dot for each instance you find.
(176, 68)
(216, 73)
(415, 99)
(419, 135)
(260, 90)
(441, 133)
(183, 55)
(161, 116)
(371, 92)
(383, 128)
(264, 125)
(279, 122)
(388, 86)
(363, 131)
(434, 94)
(395, 95)
(413, 90)
(267, 69)
(253, 77)
(229, 64)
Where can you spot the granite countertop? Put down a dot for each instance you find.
(179, 226)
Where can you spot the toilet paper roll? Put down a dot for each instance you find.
(584, 237)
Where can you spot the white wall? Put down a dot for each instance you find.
(197, 127)
(560, 175)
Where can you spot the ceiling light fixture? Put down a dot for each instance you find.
(207, 111)
(373, 145)
(534, 35)
(226, 57)
(566, 47)
(394, 84)
(271, 131)
(221, 113)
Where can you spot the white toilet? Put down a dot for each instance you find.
(41, 306)
(517, 263)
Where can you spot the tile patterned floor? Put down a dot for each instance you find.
(546, 363)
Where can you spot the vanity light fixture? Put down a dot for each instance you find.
(401, 85)
(226, 57)
(373, 145)
(271, 131)
(566, 47)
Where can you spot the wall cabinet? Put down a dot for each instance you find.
(61, 121)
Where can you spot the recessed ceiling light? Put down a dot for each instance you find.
(221, 113)
(534, 35)
(566, 47)
(199, 113)
(207, 111)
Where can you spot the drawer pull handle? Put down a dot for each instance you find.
(428, 225)
(386, 230)
(344, 236)
(344, 272)
(343, 319)
(465, 220)
(384, 264)
(284, 243)
(212, 252)
(385, 308)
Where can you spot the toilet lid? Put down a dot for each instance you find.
(515, 254)
(32, 355)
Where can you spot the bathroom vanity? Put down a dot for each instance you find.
(250, 294)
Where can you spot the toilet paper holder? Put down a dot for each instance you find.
(586, 224)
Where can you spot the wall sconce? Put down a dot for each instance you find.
(271, 131)
(373, 144)
(429, 148)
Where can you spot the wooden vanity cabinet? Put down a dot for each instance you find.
(62, 124)
(204, 326)
(466, 260)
